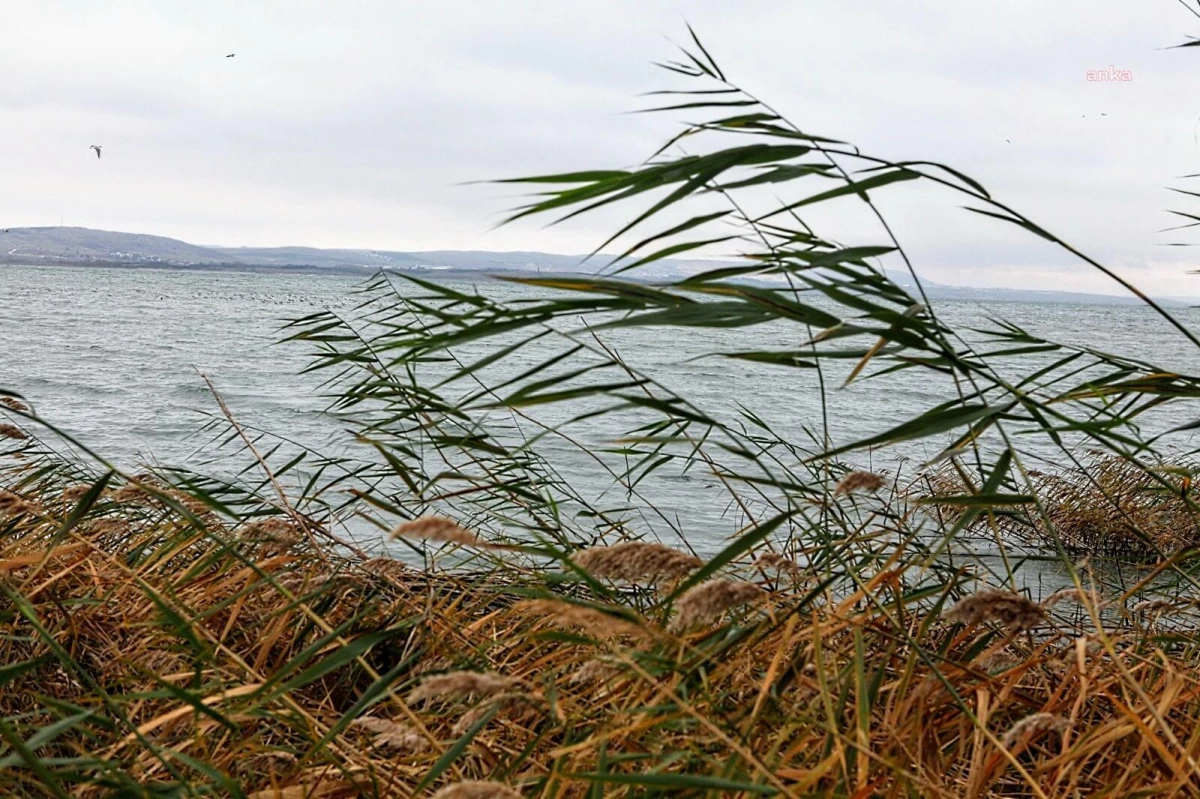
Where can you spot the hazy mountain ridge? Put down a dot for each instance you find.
(77, 246)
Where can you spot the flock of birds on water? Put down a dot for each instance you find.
(98, 147)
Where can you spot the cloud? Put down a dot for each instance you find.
(360, 123)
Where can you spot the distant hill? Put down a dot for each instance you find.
(83, 245)
(76, 246)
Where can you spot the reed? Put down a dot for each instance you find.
(182, 633)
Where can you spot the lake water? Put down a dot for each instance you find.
(114, 357)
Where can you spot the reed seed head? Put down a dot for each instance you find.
(461, 684)
(391, 734)
(770, 561)
(596, 670)
(1153, 607)
(477, 789)
(1064, 594)
(72, 494)
(273, 530)
(1031, 727)
(593, 621)
(15, 404)
(271, 762)
(130, 492)
(705, 603)
(14, 505)
(635, 561)
(860, 483)
(110, 527)
(1011, 610)
(519, 704)
(386, 568)
(13, 432)
(441, 529)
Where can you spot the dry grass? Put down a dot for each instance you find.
(189, 647)
(1105, 506)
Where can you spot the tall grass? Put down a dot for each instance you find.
(175, 633)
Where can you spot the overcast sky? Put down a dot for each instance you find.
(356, 124)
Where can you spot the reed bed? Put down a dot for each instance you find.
(197, 654)
(1103, 505)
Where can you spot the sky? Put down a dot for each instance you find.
(378, 124)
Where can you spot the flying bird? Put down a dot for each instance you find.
(231, 55)
(96, 147)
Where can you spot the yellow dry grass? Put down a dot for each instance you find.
(191, 656)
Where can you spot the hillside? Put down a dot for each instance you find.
(83, 245)
(75, 246)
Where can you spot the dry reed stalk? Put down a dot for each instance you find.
(635, 561)
(1011, 610)
(703, 604)
(392, 734)
(108, 615)
(476, 789)
(1032, 727)
(15, 404)
(441, 530)
(460, 685)
(13, 432)
(860, 483)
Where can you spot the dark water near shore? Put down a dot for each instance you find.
(114, 357)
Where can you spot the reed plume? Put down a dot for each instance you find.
(705, 603)
(477, 789)
(1032, 727)
(1063, 594)
(72, 494)
(392, 734)
(15, 505)
(273, 530)
(14, 404)
(442, 530)
(859, 483)
(1011, 610)
(599, 669)
(519, 704)
(1152, 607)
(636, 561)
(13, 432)
(460, 685)
(771, 561)
(131, 493)
(386, 568)
(596, 623)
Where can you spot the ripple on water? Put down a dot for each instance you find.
(111, 356)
